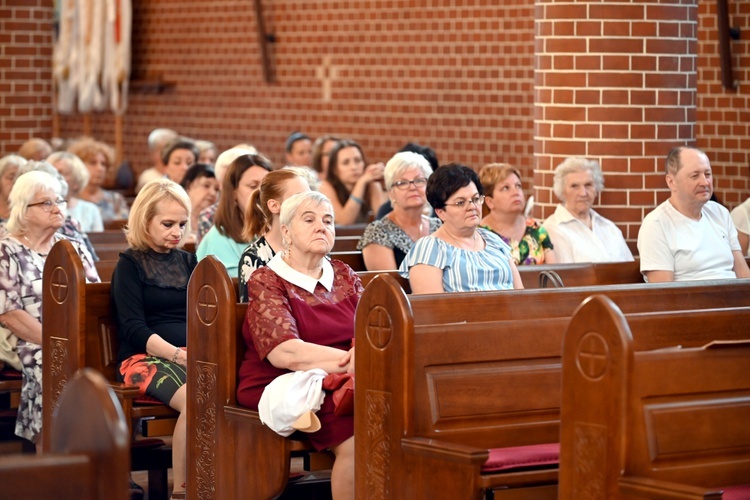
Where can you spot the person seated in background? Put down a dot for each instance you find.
(206, 217)
(741, 219)
(9, 166)
(149, 300)
(578, 232)
(225, 239)
(98, 156)
(301, 317)
(203, 190)
(504, 197)
(431, 157)
(35, 149)
(689, 237)
(298, 150)
(321, 152)
(76, 175)
(157, 139)
(207, 152)
(178, 156)
(460, 256)
(386, 241)
(354, 190)
(262, 226)
(37, 213)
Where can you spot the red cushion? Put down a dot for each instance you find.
(741, 492)
(503, 459)
(146, 400)
(8, 373)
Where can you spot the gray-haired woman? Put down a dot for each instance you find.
(37, 212)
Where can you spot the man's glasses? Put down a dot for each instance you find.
(48, 205)
(404, 184)
(477, 201)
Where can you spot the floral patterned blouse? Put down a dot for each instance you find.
(530, 250)
(113, 206)
(387, 233)
(257, 254)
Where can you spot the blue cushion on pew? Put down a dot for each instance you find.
(517, 457)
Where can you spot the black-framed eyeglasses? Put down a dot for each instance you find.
(47, 205)
(477, 201)
(404, 184)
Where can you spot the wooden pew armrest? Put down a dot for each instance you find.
(245, 415)
(442, 450)
(124, 391)
(641, 487)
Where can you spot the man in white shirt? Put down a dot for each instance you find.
(689, 237)
(578, 233)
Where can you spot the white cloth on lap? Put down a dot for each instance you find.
(289, 397)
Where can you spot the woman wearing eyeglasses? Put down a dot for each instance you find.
(37, 211)
(386, 241)
(460, 256)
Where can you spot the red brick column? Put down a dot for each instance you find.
(615, 82)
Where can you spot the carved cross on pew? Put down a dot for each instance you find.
(326, 73)
(593, 356)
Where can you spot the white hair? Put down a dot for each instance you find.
(11, 161)
(291, 205)
(78, 169)
(572, 165)
(403, 161)
(227, 157)
(159, 137)
(24, 191)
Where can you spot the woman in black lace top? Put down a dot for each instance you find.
(149, 295)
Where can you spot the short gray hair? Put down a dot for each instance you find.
(43, 166)
(403, 161)
(291, 205)
(78, 170)
(27, 186)
(159, 137)
(11, 161)
(577, 164)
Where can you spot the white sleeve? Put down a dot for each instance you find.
(653, 248)
(561, 244)
(741, 219)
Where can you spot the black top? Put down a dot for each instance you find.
(149, 295)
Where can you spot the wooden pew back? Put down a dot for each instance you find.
(79, 330)
(475, 371)
(665, 423)
(89, 454)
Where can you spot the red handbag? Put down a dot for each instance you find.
(341, 386)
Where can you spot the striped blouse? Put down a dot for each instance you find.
(464, 270)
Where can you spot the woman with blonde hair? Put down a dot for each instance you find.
(9, 166)
(529, 243)
(149, 297)
(262, 221)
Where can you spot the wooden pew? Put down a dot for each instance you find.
(224, 434)
(441, 379)
(88, 454)
(79, 330)
(351, 230)
(660, 424)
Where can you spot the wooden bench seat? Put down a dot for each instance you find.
(79, 330)
(88, 454)
(653, 424)
(442, 379)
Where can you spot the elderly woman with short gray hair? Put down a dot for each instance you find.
(579, 233)
(386, 241)
(37, 212)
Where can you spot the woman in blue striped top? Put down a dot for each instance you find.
(460, 256)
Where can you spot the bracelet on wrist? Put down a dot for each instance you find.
(357, 199)
(176, 353)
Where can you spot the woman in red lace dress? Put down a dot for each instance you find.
(300, 317)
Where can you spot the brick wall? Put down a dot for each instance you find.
(614, 82)
(385, 72)
(25, 71)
